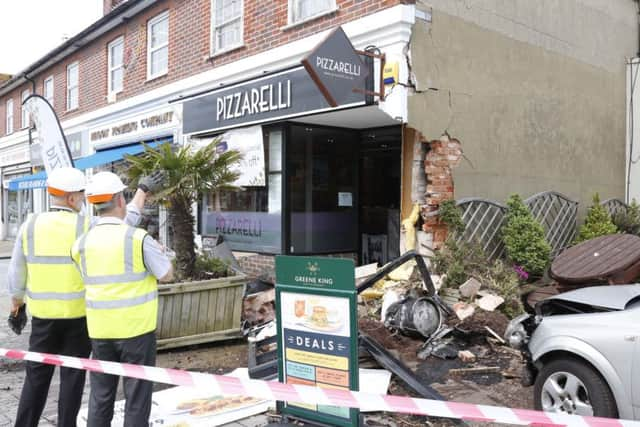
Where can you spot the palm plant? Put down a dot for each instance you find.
(190, 173)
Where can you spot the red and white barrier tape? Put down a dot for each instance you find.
(272, 390)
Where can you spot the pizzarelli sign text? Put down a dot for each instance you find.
(249, 102)
(280, 95)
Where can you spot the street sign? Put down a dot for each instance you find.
(317, 332)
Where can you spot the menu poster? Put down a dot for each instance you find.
(317, 344)
(317, 332)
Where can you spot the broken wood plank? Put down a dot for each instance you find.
(498, 337)
(476, 370)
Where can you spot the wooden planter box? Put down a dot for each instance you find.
(198, 312)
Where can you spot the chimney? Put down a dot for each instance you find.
(109, 5)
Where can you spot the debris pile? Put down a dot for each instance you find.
(451, 335)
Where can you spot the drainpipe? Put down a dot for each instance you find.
(33, 82)
(638, 54)
(33, 87)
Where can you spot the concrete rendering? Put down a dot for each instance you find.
(534, 92)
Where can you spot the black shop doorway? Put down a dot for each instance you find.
(379, 193)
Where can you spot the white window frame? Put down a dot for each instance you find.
(44, 90)
(110, 69)
(24, 115)
(151, 23)
(212, 42)
(70, 88)
(291, 22)
(9, 117)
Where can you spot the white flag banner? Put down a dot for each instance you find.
(53, 144)
(248, 141)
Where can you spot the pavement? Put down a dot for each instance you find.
(12, 372)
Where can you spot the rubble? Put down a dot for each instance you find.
(476, 370)
(403, 273)
(475, 325)
(363, 272)
(470, 288)
(438, 280)
(490, 302)
(389, 298)
(466, 356)
(463, 310)
(259, 308)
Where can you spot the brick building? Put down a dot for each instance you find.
(473, 92)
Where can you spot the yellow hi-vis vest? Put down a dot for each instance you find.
(54, 286)
(121, 295)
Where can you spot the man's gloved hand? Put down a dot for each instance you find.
(18, 319)
(152, 182)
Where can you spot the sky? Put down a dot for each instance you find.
(31, 28)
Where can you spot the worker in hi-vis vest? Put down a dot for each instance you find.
(120, 266)
(42, 273)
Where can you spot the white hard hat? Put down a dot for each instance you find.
(65, 180)
(102, 186)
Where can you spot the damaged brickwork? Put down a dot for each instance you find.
(444, 154)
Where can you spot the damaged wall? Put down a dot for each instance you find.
(443, 156)
(534, 92)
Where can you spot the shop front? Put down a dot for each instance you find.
(316, 179)
(14, 163)
(101, 147)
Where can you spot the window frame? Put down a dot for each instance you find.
(114, 43)
(292, 23)
(75, 64)
(9, 117)
(156, 19)
(213, 50)
(24, 115)
(44, 90)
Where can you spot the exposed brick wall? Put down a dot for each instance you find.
(443, 154)
(260, 265)
(189, 47)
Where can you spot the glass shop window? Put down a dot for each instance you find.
(322, 174)
(250, 218)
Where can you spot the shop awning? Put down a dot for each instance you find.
(38, 180)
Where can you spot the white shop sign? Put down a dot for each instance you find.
(249, 142)
(135, 127)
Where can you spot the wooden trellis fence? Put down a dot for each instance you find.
(484, 218)
(614, 206)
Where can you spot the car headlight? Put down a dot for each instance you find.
(516, 335)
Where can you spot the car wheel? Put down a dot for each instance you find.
(572, 386)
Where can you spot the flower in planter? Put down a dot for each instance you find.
(521, 272)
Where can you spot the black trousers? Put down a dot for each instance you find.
(140, 350)
(57, 336)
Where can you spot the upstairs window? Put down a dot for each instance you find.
(48, 89)
(158, 46)
(9, 122)
(24, 117)
(226, 25)
(302, 10)
(72, 86)
(116, 52)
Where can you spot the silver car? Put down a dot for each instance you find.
(583, 351)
